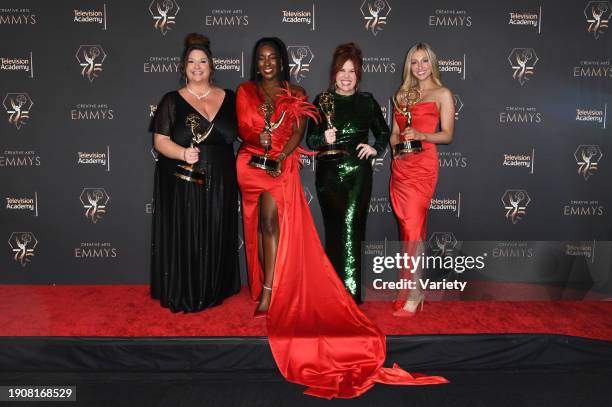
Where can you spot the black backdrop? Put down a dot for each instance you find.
(82, 129)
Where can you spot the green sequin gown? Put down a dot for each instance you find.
(344, 185)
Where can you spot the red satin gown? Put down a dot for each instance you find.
(318, 336)
(413, 180)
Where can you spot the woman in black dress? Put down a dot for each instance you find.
(194, 253)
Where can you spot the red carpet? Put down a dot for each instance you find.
(107, 310)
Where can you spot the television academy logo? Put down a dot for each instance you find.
(458, 105)
(451, 205)
(375, 13)
(300, 57)
(598, 15)
(308, 161)
(583, 249)
(299, 17)
(155, 154)
(152, 110)
(587, 157)
(230, 64)
(95, 158)
(591, 115)
(17, 106)
(91, 16)
(522, 61)
(164, 13)
(527, 19)
(442, 243)
(91, 58)
(23, 245)
(23, 204)
(453, 65)
(17, 16)
(520, 160)
(15, 64)
(95, 202)
(515, 202)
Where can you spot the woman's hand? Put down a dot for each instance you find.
(365, 151)
(191, 155)
(330, 135)
(410, 134)
(265, 139)
(278, 171)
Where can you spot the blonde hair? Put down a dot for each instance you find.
(409, 80)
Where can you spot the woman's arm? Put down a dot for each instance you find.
(447, 122)
(170, 149)
(315, 133)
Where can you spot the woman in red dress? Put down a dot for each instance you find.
(414, 175)
(317, 334)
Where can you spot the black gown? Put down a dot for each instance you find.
(194, 250)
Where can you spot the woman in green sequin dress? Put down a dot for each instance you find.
(344, 184)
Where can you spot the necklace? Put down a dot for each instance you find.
(199, 97)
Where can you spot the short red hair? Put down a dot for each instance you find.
(343, 53)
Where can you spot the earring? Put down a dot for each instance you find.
(186, 80)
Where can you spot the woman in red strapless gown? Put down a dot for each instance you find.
(318, 335)
(414, 175)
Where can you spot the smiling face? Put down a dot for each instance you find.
(197, 67)
(346, 79)
(420, 64)
(268, 62)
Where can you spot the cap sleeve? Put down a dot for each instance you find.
(164, 116)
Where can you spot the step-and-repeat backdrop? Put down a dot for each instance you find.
(79, 83)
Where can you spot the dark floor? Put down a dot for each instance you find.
(467, 388)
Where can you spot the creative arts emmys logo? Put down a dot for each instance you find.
(597, 14)
(375, 13)
(23, 245)
(95, 201)
(442, 243)
(587, 157)
(515, 202)
(522, 61)
(300, 57)
(18, 106)
(164, 13)
(91, 58)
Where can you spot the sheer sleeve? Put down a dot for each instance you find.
(165, 116)
(315, 131)
(379, 126)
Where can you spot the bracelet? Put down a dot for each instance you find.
(282, 156)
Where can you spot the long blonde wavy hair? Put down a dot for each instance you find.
(409, 80)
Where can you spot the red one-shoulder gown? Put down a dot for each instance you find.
(318, 335)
